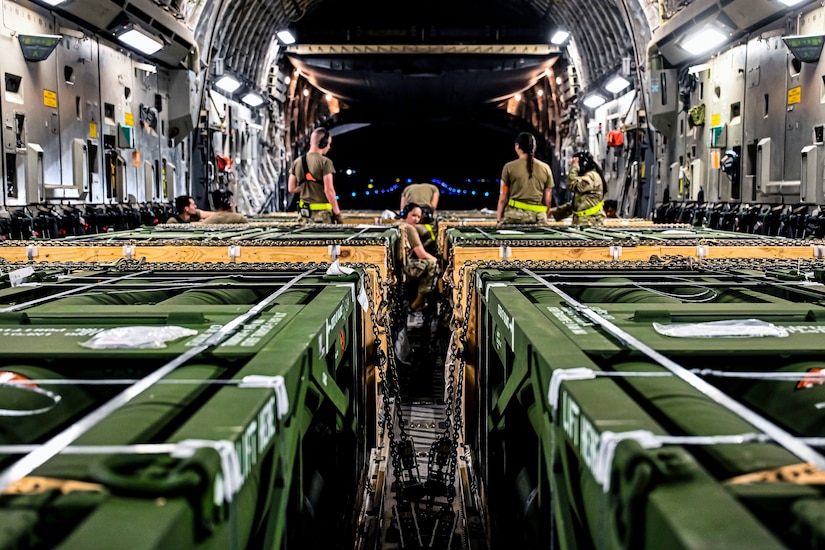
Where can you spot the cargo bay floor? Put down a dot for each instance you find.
(427, 505)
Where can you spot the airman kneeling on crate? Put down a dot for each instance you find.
(419, 264)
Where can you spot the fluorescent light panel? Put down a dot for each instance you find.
(616, 84)
(286, 37)
(594, 101)
(790, 2)
(139, 41)
(53, 2)
(253, 100)
(227, 84)
(559, 37)
(704, 40)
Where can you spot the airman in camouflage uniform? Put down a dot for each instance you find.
(588, 195)
(419, 265)
(526, 186)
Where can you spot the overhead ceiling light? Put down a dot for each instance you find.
(140, 41)
(253, 100)
(227, 84)
(286, 37)
(790, 2)
(559, 37)
(56, 2)
(616, 84)
(594, 100)
(704, 40)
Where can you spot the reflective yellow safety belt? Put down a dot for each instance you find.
(430, 229)
(525, 206)
(315, 206)
(590, 211)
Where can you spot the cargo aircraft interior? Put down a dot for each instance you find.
(197, 353)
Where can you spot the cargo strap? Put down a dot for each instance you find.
(60, 441)
(584, 373)
(648, 440)
(12, 380)
(590, 211)
(232, 478)
(430, 229)
(276, 383)
(315, 206)
(782, 437)
(526, 206)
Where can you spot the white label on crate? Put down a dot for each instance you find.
(256, 436)
(583, 435)
(251, 334)
(508, 322)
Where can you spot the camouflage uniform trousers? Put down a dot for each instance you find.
(319, 216)
(515, 215)
(589, 221)
(423, 270)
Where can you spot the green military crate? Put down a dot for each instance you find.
(250, 426)
(606, 412)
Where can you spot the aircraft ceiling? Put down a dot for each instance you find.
(490, 49)
(425, 58)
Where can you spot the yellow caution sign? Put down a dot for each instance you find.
(92, 130)
(716, 120)
(50, 98)
(794, 95)
(129, 119)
